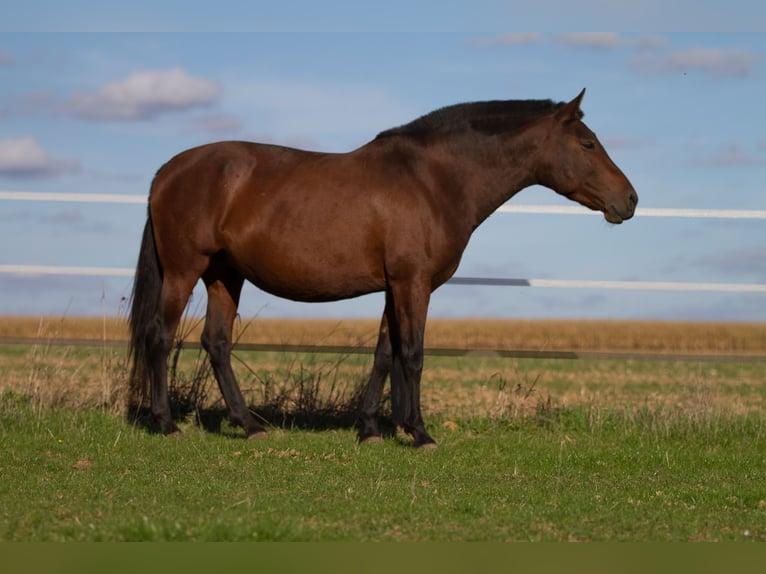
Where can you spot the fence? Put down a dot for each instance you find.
(43, 270)
(485, 281)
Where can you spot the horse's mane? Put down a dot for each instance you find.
(492, 117)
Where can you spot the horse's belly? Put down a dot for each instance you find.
(324, 245)
(316, 276)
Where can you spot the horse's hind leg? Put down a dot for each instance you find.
(174, 296)
(223, 292)
(369, 432)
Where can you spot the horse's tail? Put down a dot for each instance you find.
(144, 316)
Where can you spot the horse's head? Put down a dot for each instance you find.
(576, 166)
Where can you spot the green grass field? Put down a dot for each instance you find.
(568, 474)
(529, 449)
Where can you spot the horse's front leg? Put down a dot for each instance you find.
(407, 322)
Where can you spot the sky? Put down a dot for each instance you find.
(95, 102)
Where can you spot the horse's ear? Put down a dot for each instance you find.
(571, 111)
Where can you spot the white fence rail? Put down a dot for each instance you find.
(534, 209)
(42, 270)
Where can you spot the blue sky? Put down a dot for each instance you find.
(680, 113)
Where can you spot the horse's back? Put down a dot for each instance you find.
(305, 225)
(201, 186)
(217, 167)
(274, 212)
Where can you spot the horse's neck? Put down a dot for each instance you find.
(492, 169)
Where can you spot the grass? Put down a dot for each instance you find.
(564, 474)
(530, 449)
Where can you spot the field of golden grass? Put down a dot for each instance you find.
(73, 376)
(502, 334)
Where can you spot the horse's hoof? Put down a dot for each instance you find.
(259, 435)
(426, 446)
(169, 429)
(372, 440)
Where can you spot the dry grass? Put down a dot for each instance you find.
(506, 334)
(65, 377)
(316, 385)
(522, 388)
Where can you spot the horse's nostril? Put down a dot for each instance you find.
(633, 199)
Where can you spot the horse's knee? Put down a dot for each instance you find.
(412, 361)
(158, 340)
(217, 346)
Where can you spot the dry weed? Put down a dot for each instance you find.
(287, 384)
(505, 334)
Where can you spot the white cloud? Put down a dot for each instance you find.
(621, 142)
(651, 42)
(739, 261)
(145, 94)
(729, 155)
(217, 124)
(594, 40)
(715, 61)
(25, 157)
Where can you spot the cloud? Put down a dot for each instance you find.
(74, 219)
(738, 307)
(621, 142)
(729, 155)
(743, 261)
(217, 124)
(144, 95)
(651, 42)
(25, 157)
(718, 62)
(593, 40)
(67, 217)
(510, 39)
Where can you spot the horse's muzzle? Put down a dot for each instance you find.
(616, 213)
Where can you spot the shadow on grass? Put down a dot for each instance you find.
(315, 396)
(215, 420)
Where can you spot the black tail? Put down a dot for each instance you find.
(144, 315)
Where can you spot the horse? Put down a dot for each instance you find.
(393, 215)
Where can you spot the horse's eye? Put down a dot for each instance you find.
(589, 144)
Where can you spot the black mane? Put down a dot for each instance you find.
(490, 118)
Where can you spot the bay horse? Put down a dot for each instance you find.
(394, 215)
